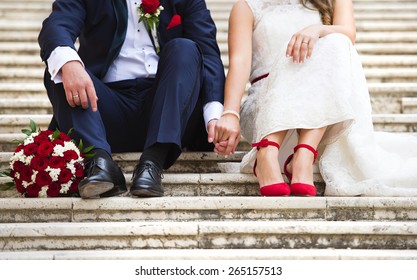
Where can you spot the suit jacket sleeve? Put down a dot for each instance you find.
(199, 27)
(62, 27)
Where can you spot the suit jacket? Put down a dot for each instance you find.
(101, 26)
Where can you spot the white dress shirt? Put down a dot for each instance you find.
(137, 59)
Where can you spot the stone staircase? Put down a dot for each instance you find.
(207, 214)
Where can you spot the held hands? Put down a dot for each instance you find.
(79, 88)
(301, 44)
(227, 135)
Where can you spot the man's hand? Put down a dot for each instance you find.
(79, 88)
(220, 148)
(227, 135)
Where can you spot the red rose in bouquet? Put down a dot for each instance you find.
(47, 164)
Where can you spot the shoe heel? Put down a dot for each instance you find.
(94, 189)
(280, 189)
(301, 189)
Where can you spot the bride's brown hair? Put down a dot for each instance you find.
(325, 7)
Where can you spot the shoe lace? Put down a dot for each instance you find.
(147, 167)
(89, 167)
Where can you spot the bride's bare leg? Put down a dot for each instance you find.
(301, 165)
(267, 168)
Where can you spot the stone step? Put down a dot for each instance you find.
(360, 15)
(363, 48)
(374, 6)
(219, 14)
(394, 122)
(372, 61)
(188, 162)
(21, 61)
(21, 75)
(385, 97)
(214, 254)
(409, 105)
(391, 75)
(35, 75)
(361, 37)
(231, 208)
(193, 185)
(367, 48)
(208, 235)
(25, 105)
(22, 90)
(361, 26)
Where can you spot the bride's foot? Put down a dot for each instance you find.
(299, 170)
(267, 170)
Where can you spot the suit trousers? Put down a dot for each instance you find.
(134, 114)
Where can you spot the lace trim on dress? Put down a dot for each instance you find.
(258, 7)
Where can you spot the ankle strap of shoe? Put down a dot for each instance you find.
(308, 147)
(265, 143)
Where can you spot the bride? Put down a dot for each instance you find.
(308, 103)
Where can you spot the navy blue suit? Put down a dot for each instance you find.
(135, 114)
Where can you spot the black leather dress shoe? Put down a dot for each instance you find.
(104, 178)
(147, 180)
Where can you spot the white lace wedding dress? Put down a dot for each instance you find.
(329, 89)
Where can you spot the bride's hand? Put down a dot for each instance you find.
(227, 135)
(301, 44)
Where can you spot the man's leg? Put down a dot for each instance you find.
(103, 174)
(177, 87)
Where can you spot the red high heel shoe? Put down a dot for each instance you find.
(279, 189)
(301, 189)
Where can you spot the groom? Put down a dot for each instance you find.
(126, 88)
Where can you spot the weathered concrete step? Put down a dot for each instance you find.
(21, 75)
(196, 184)
(21, 60)
(360, 15)
(25, 105)
(364, 37)
(395, 122)
(118, 209)
(372, 61)
(23, 90)
(362, 26)
(391, 6)
(208, 235)
(390, 74)
(368, 48)
(188, 162)
(20, 25)
(18, 75)
(19, 36)
(386, 98)
(369, 61)
(375, 6)
(363, 48)
(409, 105)
(28, 6)
(214, 254)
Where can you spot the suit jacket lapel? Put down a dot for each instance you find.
(120, 11)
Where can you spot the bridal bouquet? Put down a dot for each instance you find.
(47, 164)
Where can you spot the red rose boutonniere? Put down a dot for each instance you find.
(149, 11)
